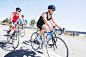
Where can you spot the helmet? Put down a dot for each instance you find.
(22, 15)
(18, 8)
(51, 7)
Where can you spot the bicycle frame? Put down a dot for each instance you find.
(17, 26)
(51, 34)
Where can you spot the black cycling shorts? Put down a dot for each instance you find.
(39, 26)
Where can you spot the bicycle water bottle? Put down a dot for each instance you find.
(41, 37)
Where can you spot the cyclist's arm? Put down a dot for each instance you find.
(51, 22)
(55, 23)
(11, 16)
(45, 20)
(20, 19)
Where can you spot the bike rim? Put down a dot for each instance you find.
(34, 41)
(15, 40)
(8, 39)
(59, 50)
(22, 33)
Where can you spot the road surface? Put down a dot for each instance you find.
(76, 46)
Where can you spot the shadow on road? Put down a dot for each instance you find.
(5, 30)
(5, 46)
(22, 53)
(28, 42)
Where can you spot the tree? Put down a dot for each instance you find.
(32, 22)
(5, 20)
(26, 21)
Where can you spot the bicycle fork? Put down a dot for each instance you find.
(54, 43)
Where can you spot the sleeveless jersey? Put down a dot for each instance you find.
(15, 17)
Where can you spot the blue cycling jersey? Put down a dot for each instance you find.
(20, 20)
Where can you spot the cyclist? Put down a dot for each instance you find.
(43, 22)
(23, 20)
(13, 18)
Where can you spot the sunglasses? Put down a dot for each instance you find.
(19, 11)
(53, 9)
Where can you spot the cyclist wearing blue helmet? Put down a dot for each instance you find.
(46, 21)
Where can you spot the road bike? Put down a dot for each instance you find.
(22, 31)
(14, 35)
(55, 45)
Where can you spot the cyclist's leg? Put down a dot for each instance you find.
(44, 28)
(12, 26)
(9, 29)
(44, 36)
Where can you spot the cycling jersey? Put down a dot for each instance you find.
(15, 17)
(23, 20)
(41, 21)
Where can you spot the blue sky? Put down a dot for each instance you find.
(70, 14)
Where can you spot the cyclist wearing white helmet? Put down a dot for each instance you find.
(43, 24)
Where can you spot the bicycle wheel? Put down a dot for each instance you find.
(22, 32)
(34, 41)
(15, 40)
(58, 49)
(8, 38)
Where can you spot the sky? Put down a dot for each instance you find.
(69, 14)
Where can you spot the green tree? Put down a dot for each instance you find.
(32, 22)
(26, 21)
(5, 20)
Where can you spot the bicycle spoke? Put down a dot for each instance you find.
(34, 41)
(62, 49)
(22, 32)
(15, 40)
(8, 38)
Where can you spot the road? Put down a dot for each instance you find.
(76, 46)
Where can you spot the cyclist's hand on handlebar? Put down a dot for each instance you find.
(62, 30)
(54, 26)
(10, 22)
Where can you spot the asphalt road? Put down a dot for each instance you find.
(76, 46)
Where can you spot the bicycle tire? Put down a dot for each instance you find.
(34, 41)
(22, 32)
(8, 38)
(60, 50)
(15, 40)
